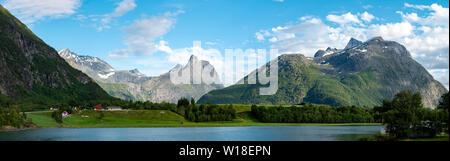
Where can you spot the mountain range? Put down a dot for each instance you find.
(32, 72)
(362, 74)
(133, 85)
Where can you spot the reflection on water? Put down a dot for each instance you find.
(269, 133)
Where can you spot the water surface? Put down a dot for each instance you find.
(269, 133)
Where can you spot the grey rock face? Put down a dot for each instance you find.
(353, 43)
(133, 85)
(326, 52)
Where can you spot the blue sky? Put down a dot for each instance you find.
(155, 35)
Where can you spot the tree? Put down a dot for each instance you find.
(443, 107)
(73, 103)
(183, 102)
(57, 116)
(192, 101)
(402, 114)
(444, 101)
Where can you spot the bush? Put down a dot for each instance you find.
(57, 116)
(12, 117)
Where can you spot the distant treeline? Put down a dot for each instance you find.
(309, 113)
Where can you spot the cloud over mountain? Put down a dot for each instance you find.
(425, 34)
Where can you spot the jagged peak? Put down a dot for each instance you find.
(66, 53)
(193, 58)
(176, 67)
(134, 71)
(353, 43)
(330, 49)
(65, 50)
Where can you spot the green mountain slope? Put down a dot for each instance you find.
(31, 72)
(363, 75)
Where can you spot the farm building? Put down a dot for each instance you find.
(97, 107)
(114, 108)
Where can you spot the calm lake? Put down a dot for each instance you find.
(269, 133)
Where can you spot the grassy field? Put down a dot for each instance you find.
(437, 138)
(154, 118)
(43, 119)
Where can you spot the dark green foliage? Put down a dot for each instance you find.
(444, 102)
(57, 115)
(11, 117)
(204, 112)
(312, 114)
(405, 117)
(182, 103)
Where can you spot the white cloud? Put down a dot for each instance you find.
(311, 34)
(367, 17)
(122, 8)
(344, 18)
(367, 6)
(426, 36)
(391, 30)
(421, 7)
(30, 11)
(141, 36)
(278, 0)
(259, 36)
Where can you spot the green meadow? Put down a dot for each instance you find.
(154, 118)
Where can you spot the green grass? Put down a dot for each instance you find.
(43, 119)
(437, 138)
(153, 118)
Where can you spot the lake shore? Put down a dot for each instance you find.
(12, 129)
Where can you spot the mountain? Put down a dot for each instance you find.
(363, 74)
(133, 85)
(326, 52)
(32, 72)
(353, 43)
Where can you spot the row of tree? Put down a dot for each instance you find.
(134, 105)
(204, 112)
(309, 113)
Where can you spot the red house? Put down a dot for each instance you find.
(98, 107)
